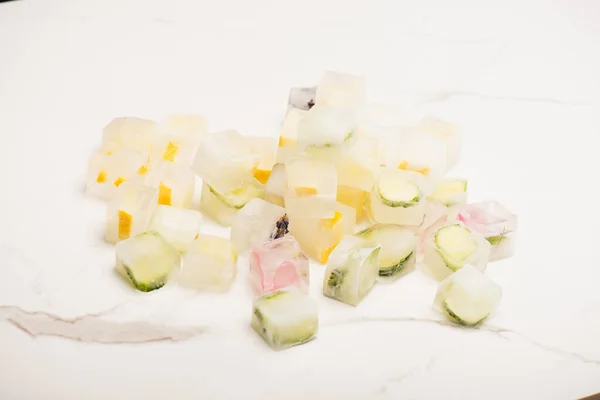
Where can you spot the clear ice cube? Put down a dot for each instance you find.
(178, 138)
(448, 133)
(222, 207)
(109, 167)
(358, 167)
(340, 89)
(257, 222)
(467, 297)
(266, 148)
(175, 184)
(288, 137)
(210, 263)
(130, 211)
(179, 227)
(311, 188)
(277, 264)
(130, 132)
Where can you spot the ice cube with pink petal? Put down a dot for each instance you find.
(278, 264)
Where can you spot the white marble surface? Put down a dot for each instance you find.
(522, 80)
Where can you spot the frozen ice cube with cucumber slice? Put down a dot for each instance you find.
(452, 245)
(146, 260)
(398, 248)
(450, 192)
(285, 318)
(467, 297)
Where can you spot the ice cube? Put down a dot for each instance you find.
(277, 264)
(397, 198)
(311, 188)
(446, 132)
(409, 150)
(288, 137)
(275, 186)
(175, 184)
(302, 98)
(450, 192)
(179, 227)
(210, 263)
(358, 167)
(130, 132)
(494, 222)
(398, 248)
(352, 197)
(178, 138)
(222, 207)
(285, 318)
(130, 211)
(351, 271)
(266, 148)
(110, 166)
(257, 222)
(467, 297)
(146, 260)
(319, 236)
(341, 90)
(375, 119)
(449, 247)
(327, 132)
(226, 161)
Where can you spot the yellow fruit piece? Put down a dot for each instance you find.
(404, 166)
(305, 191)
(125, 220)
(164, 195)
(170, 152)
(142, 170)
(101, 177)
(283, 142)
(109, 153)
(324, 256)
(352, 197)
(329, 223)
(118, 181)
(262, 175)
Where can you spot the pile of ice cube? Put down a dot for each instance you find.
(348, 184)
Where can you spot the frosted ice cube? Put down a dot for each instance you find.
(130, 132)
(449, 247)
(222, 207)
(352, 271)
(179, 227)
(226, 161)
(130, 211)
(341, 90)
(266, 148)
(302, 98)
(210, 263)
(146, 260)
(277, 264)
(275, 186)
(175, 184)
(494, 222)
(397, 198)
(288, 137)
(319, 236)
(467, 297)
(446, 132)
(109, 167)
(256, 223)
(285, 318)
(311, 188)
(178, 138)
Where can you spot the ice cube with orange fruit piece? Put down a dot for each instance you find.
(311, 187)
(175, 184)
(288, 136)
(178, 138)
(266, 148)
(130, 211)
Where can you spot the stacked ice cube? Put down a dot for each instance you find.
(359, 186)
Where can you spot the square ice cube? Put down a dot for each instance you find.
(352, 270)
(109, 167)
(285, 318)
(288, 137)
(146, 260)
(210, 263)
(448, 133)
(226, 161)
(397, 198)
(275, 186)
(467, 297)
(179, 227)
(130, 211)
(279, 263)
(341, 90)
(302, 98)
(494, 222)
(257, 222)
(175, 184)
(266, 148)
(222, 207)
(311, 188)
(449, 247)
(178, 138)
(130, 132)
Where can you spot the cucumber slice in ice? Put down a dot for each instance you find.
(394, 269)
(238, 198)
(464, 311)
(397, 246)
(397, 193)
(496, 240)
(447, 190)
(455, 245)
